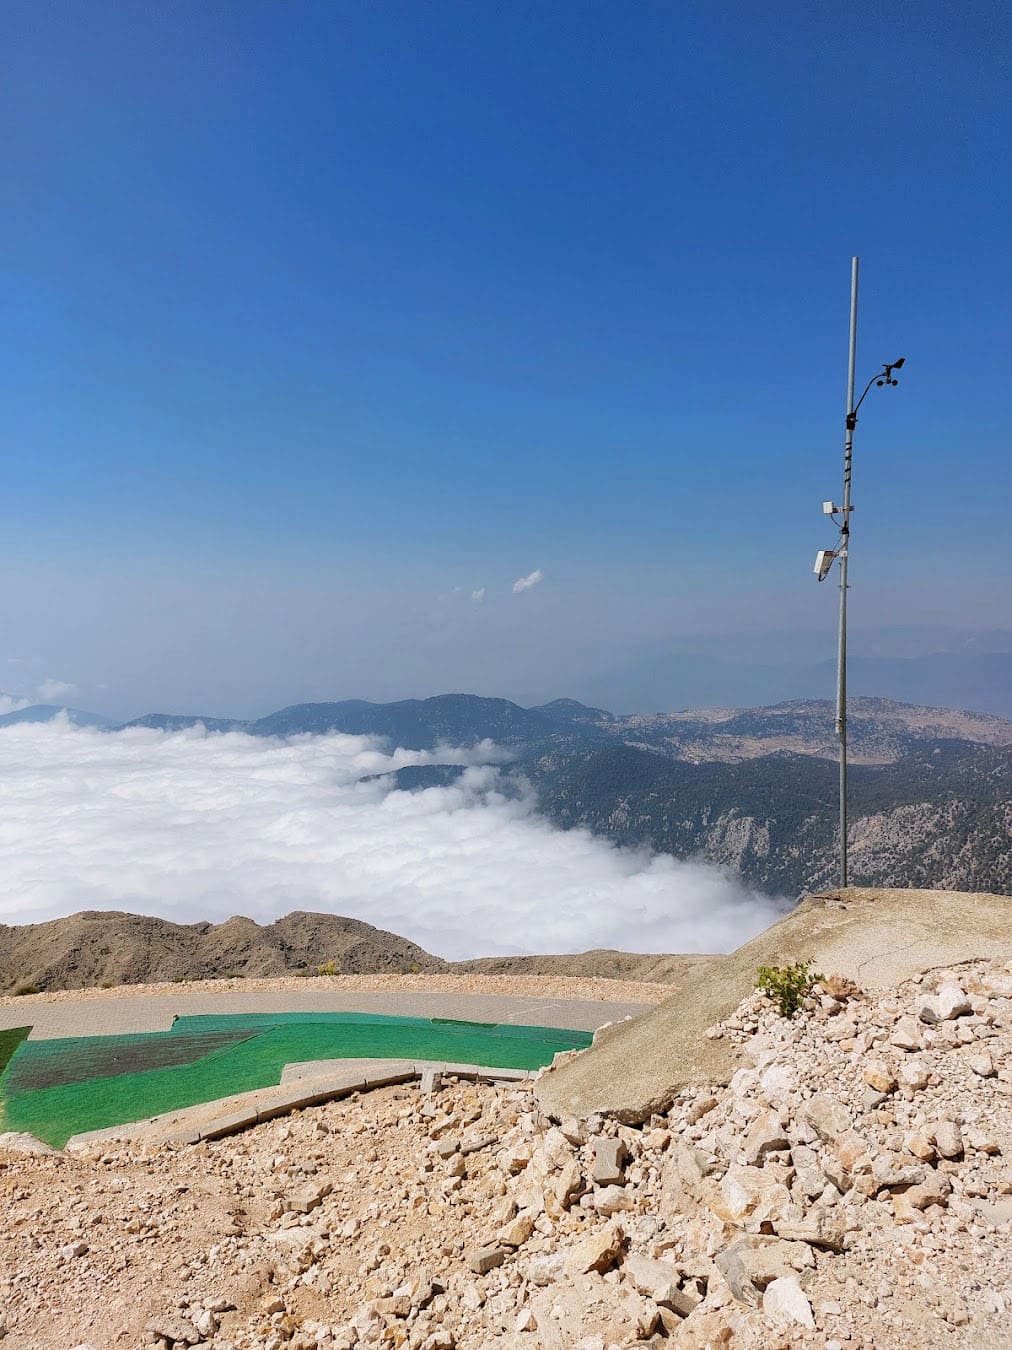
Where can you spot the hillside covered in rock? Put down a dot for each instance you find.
(105, 948)
(99, 947)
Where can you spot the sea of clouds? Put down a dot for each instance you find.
(191, 826)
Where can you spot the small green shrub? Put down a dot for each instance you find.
(328, 968)
(787, 985)
(26, 989)
(107, 984)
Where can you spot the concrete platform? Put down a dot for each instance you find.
(878, 938)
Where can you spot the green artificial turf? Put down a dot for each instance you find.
(57, 1088)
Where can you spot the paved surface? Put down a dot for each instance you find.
(154, 1012)
(878, 938)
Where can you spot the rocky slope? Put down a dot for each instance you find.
(110, 949)
(938, 816)
(848, 1190)
(105, 947)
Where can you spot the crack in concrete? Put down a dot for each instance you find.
(893, 951)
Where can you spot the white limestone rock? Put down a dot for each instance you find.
(787, 1303)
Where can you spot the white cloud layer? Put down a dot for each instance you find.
(478, 595)
(192, 826)
(11, 703)
(532, 579)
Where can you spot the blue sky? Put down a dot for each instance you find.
(320, 317)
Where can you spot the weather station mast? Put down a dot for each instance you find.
(825, 557)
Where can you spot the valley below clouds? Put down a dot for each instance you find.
(193, 826)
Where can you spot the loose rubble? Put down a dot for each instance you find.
(850, 1188)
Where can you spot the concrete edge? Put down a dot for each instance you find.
(20, 1143)
(302, 1090)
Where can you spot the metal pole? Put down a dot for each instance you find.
(841, 677)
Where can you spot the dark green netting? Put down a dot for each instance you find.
(256, 1049)
(78, 1059)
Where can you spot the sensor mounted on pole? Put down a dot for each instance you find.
(823, 562)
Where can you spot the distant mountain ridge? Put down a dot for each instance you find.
(880, 728)
(418, 724)
(414, 724)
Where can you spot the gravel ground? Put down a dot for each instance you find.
(851, 1191)
(514, 986)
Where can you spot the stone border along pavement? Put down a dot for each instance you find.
(307, 1085)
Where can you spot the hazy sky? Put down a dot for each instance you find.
(325, 325)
